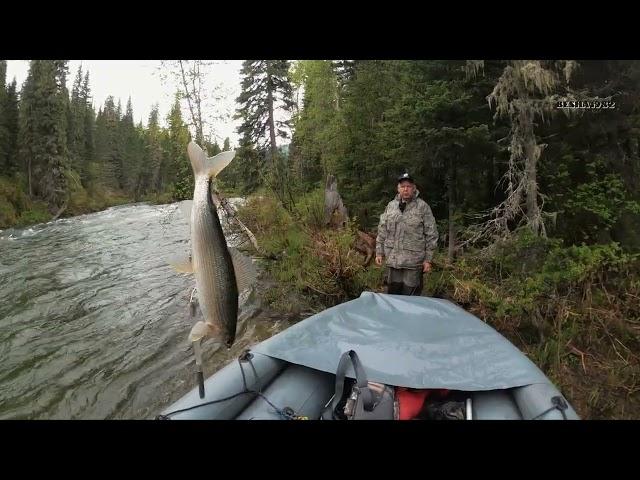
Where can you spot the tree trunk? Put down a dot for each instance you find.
(29, 175)
(272, 125)
(59, 212)
(198, 102)
(274, 163)
(452, 209)
(531, 188)
(335, 213)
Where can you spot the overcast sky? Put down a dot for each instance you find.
(141, 80)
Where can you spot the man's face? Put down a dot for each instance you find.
(406, 189)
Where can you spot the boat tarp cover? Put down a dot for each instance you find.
(409, 341)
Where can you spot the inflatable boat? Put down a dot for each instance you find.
(421, 344)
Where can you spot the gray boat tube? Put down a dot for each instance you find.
(543, 401)
(302, 390)
(495, 405)
(259, 371)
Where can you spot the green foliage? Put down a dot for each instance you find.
(366, 122)
(309, 209)
(4, 133)
(318, 139)
(603, 199)
(16, 210)
(178, 166)
(37, 213)
(44, 125)
(322, 264)
(264, 215)
(265, 84)
(7, 213)
(245, 173)
(572, 309)
(266, 89)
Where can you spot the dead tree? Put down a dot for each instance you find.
(335, 213)
(526, 92)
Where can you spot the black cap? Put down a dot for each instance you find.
(406, 176)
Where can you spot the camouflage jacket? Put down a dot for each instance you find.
(407, 239)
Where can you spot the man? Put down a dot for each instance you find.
(407, 238)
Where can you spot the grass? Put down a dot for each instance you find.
(319, 264)
(573, 310)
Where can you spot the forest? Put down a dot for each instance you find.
(59, 157)
(531, 168)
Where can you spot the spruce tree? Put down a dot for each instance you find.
(151, 171)
(265, 90)
(108, 154)
(4, 133)
(76, 130)
(179, 170)
(11, 125)
(89, 120)
(131, 161)
(43, 125)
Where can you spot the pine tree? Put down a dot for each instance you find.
(11, 125)
(108, 151)
(4, 133)
(213, 149)
(366, 171)
(131, 161)
(76, 132)
(43, 126)
(245, 172)
(525, 94)
(151, 172)
(345, 71)
(265, 90)
(179, 165)
(141, 179)
(318, 140)
(89, 121)
(26, 130)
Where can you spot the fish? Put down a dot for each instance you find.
(221, 272)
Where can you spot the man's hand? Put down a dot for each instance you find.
(426, 267)
(378, 259)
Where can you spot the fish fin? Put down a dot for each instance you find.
(185, 208)
(244, 269)
(216, 164)
(208, 166)
(199, 330)
(182, 264)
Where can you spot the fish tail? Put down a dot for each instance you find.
(202, 165)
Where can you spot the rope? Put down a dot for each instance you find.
(287, 412)
(559, 404)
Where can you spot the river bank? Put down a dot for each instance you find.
(574, 310)
(17, 210)
(96, 315)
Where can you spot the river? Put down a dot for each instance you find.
(94, 322)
